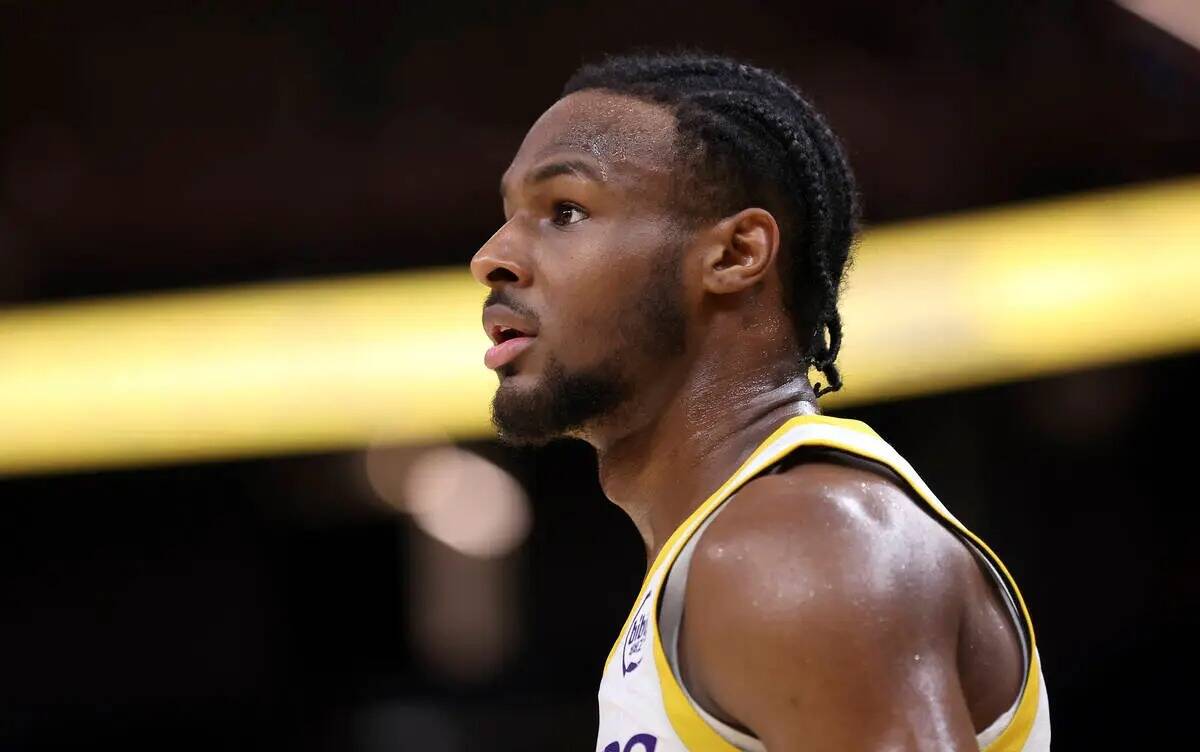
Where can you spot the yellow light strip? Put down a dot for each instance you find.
(937, 304)
(1013, 293)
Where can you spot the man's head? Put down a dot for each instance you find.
(660, 199)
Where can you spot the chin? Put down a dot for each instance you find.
(535, 408)
(517, 381)
(518, 410)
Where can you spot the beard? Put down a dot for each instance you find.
(563, 403)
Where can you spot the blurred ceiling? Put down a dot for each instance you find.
(150, 148)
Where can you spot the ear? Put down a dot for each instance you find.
(743, 249)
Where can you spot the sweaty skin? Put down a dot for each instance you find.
(825, 609)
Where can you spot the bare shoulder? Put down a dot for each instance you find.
(826, 597)
(846, 534)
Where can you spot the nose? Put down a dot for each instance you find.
(498, 263)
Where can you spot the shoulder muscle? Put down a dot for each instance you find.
(823, 605)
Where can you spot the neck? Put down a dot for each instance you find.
(661, 471)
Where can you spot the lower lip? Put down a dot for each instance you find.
(506, 352)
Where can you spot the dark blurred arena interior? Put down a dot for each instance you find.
(279, 603)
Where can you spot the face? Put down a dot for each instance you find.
(586, 303)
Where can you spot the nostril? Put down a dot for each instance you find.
(500, 274)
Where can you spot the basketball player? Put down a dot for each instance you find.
(676, 231)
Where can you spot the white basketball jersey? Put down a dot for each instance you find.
(644, 708)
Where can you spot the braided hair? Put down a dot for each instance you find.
(748, 138)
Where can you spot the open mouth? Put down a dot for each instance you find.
(511, 334)
(505, 333)
(509, 343)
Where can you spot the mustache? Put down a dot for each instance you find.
(502, 297)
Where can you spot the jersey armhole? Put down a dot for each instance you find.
(670, 622)
(670, 605)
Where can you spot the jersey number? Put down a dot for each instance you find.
(639, 743)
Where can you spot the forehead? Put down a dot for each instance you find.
(621, 134)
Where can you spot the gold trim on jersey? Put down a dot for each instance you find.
(692, 729)
(689, 525)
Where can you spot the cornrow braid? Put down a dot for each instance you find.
(749, 138)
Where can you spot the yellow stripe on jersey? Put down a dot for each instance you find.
(852, 437)
(1014, 736)
(691, 729)
(727, 488)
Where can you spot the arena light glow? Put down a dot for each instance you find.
(465, 502)
(1180, 18)
(938, 304)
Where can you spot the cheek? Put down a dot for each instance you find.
(585, 311)
(588, 286)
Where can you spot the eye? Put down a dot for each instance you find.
(567, 214)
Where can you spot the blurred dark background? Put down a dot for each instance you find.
(277, 603)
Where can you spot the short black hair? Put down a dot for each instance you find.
(750, 138)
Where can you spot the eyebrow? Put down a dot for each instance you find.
(578, 167)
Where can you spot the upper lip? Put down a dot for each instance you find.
(498, 318)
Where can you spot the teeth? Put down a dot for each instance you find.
(505, 333)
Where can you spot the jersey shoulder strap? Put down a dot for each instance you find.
(782, 449)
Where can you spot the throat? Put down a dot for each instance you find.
(659, 476)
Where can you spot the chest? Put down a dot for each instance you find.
(633, 715)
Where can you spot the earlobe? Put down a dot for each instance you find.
(744, 250)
